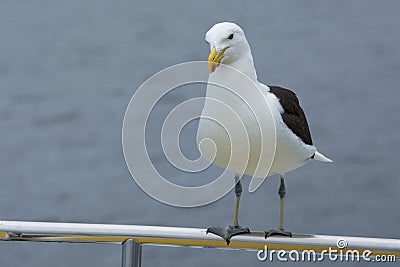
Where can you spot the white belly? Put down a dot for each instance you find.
(290, 151)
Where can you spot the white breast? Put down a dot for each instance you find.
(290, 151)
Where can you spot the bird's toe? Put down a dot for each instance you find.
(277, 232)
(228, 232)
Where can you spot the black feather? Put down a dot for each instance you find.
(293, 116)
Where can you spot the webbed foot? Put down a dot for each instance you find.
(228, 232)
(280, 232)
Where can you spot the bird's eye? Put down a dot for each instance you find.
(230, 37)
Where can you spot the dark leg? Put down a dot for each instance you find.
(280, 231)
(234, 229)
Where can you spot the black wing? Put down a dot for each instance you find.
(293, 116)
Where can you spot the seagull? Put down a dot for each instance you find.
(294, 145)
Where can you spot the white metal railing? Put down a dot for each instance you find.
(132, 237)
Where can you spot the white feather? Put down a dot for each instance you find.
(320, 157)
(291, 152)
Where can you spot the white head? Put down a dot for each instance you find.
(228, 44)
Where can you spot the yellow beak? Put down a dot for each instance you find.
(215, 58)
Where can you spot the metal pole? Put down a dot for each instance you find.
(187, 237)
(131, 254)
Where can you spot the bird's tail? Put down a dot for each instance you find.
(318, 156)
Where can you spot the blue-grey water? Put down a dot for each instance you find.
(69, 68)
